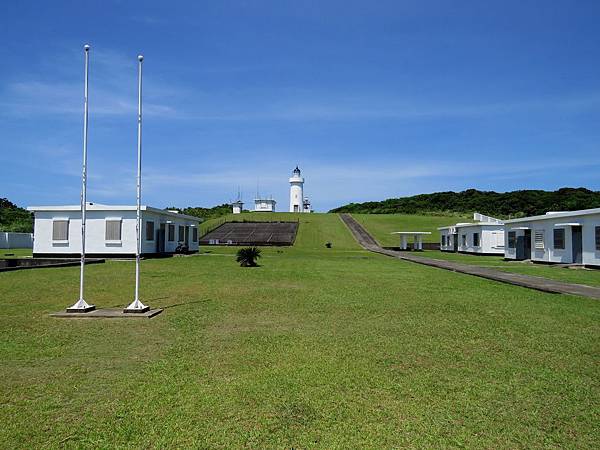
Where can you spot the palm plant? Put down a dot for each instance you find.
(247, 256)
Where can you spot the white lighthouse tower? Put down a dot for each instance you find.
(296, 191)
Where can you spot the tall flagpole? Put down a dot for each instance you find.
(81, 305)
(137, 306)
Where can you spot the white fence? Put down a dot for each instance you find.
(16, 240)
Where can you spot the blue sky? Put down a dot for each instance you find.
(371, 99)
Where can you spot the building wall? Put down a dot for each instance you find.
(449, 241)
(491, 239)
(549, 254)
(296, 196)
(151, 246)
(96, 229)
(9, 239)
(264, 206)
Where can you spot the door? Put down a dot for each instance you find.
(455, 243)
(187, 236)
(160, 241)
(527, 245)
(576, 237)
(520, 253)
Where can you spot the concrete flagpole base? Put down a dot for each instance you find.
(136, 307)
(81, 307)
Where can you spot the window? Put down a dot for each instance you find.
(171, 232)
(512, 239)
(113, 230)
(464, 240)
(475, 239)
(597, 238)
(559, 238)
(181, 233)
(149, 231)
(60, 230)
(443, 240)
(538, 239)
(195, 234)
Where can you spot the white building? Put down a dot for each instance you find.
(485, 236)
(264, 205)
(296, 191)
(571, 237)
(110, 230)
(237, 207)
(306, 205)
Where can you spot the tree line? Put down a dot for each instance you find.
(13, 218)
(497, 204)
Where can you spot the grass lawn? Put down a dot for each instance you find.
(15, 252)
(336, 348)
(382, 225)
(590, 277)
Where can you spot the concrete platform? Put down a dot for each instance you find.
(107, 314)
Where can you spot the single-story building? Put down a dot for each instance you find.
(567, 237)
(237, 207)
(483, 237)
(110, 231)
(264, 205)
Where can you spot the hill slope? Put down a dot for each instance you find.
(498, 204)
(13, 218)
(381, 226)
(315, 229)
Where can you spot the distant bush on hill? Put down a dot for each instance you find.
(13, 218)
(205, 213)
(497, 204)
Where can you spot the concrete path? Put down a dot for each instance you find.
(538, 283)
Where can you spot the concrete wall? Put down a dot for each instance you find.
(95, 232)
(549, 254)
(264, 206)
(9, 239)
(449, 246)
(491, 239)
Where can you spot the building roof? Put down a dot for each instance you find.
(411, 232)
(556, 215)
(100, 207)
(472, 224)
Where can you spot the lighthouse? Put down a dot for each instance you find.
(296, 191)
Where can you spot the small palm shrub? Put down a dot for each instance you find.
(247, 256)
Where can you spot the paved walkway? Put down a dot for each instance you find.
(538, 283)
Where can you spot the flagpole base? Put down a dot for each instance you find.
(81, 307)
(136, 307)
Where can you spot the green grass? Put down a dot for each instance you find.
(314, 232)
(320, 348)
(16, 252)
(382, 225)
(590, 277)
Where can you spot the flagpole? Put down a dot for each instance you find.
(81, 305)
(137, 306)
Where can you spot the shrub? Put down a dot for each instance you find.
(247, 256)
